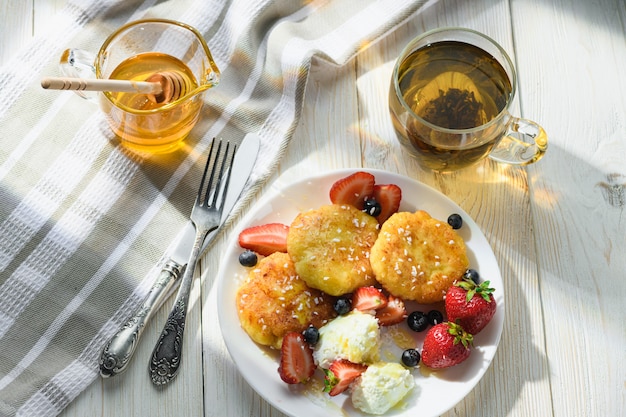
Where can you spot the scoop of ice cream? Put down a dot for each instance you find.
(381, 387)
(354, 337)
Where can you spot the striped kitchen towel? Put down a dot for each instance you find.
(82, 219)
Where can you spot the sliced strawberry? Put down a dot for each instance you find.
(265, 239)
(296, 359)
(393, 313)
(389, 197)
(368, 298)
(353, 189)
(340, 375)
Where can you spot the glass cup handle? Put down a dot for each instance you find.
(77, 63)
(525, 142)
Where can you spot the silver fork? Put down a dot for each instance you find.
(205, 216)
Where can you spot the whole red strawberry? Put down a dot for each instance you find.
(446, 344)
(470, 305)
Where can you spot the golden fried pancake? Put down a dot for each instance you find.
(417, 257)
(274, 300)
(330, 248)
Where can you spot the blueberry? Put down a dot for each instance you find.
(372, 207)
(455, 220)
(417, 321)
(342, 305)
(311, 335)
(248, 258)
(473, 275)
(410, 357)
(435, 317)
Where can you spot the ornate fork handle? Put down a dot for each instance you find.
(119, 350)
(167, 353)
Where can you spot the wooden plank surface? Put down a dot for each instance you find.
(557, 228)
(572, 80)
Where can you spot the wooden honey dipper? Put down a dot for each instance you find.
(161, 87)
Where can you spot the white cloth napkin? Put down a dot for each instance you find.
(84, 222)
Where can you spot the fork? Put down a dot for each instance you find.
(205, 216)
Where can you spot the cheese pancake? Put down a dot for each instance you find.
(417, 257)
(330, 247)
(274, 301)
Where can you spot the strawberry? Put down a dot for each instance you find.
(446, 344)
(296, 359)
(470, 305)
(265, 239)
(353, 189)
(340, 375)
(389, 197)
(368, 298)
(393, 313)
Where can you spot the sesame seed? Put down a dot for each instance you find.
(451, 242)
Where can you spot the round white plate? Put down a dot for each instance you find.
(435, 393)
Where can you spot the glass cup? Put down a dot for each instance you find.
(135, 52)
(449, 101)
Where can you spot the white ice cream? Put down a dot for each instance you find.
(381, 387)
(354, 337)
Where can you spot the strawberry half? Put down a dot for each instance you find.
(470, 305)
(265, 239)
(389, 197)
(340, 375)
(353, 189)
(393, 313)
(446, 344)
(368, 298)
(296, 359)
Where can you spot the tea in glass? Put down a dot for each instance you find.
(449, 99)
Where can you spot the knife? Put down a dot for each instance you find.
(119, 350)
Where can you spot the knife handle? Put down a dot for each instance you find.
(119, 350)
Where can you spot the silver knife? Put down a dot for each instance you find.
(118, 351)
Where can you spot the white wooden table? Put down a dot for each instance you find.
(557, 228)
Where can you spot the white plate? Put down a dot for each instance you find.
(435, 393)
